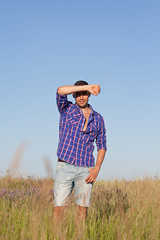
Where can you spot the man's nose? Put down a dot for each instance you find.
(81, 96)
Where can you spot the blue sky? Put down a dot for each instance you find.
(46, 44)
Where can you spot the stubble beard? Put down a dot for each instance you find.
(83, 106)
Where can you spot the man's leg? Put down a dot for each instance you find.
(82, 192)
(63, 187)
(82, 213)
(58, 222)
(58, 213)
(81, 221)
(62, 190)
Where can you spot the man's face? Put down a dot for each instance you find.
(82, 98)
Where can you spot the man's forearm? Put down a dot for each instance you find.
(100, 158)
(66, 90)
(94, 172)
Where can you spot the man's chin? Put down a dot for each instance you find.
(82, 105)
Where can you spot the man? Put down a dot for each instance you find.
(79, 126)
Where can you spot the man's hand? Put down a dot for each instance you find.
(94, 89)
(93, 175)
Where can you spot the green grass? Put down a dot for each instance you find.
(119, 210)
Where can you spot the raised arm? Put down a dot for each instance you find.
(66, 90)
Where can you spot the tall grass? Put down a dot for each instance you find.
(119, 210)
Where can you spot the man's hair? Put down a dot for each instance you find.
(80, 83)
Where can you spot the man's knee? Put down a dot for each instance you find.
(58, 212)
(82, 211)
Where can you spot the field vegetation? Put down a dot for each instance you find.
(120, 209)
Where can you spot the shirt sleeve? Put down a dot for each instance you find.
(62, 102)
(101, 140)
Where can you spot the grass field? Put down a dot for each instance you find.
(119, 210)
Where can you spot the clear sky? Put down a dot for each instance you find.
(46, 44)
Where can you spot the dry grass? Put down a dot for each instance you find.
(119, 210)
(17, 159)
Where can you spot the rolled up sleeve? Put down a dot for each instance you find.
(62, 102)
(101, 140)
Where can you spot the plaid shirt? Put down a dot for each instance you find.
(75, 145)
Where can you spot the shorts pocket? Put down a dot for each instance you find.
(60, 165)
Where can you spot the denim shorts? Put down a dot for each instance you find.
(69, 177)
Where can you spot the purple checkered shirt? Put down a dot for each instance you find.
(75, 145)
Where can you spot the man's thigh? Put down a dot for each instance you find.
(63, 184)
(82, 189)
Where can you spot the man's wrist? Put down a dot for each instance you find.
(97, 168)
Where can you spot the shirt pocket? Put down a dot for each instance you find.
(72, 122)
(72, 118)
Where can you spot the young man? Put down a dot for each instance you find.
(79, 126)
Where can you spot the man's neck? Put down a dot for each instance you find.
(86, 109)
